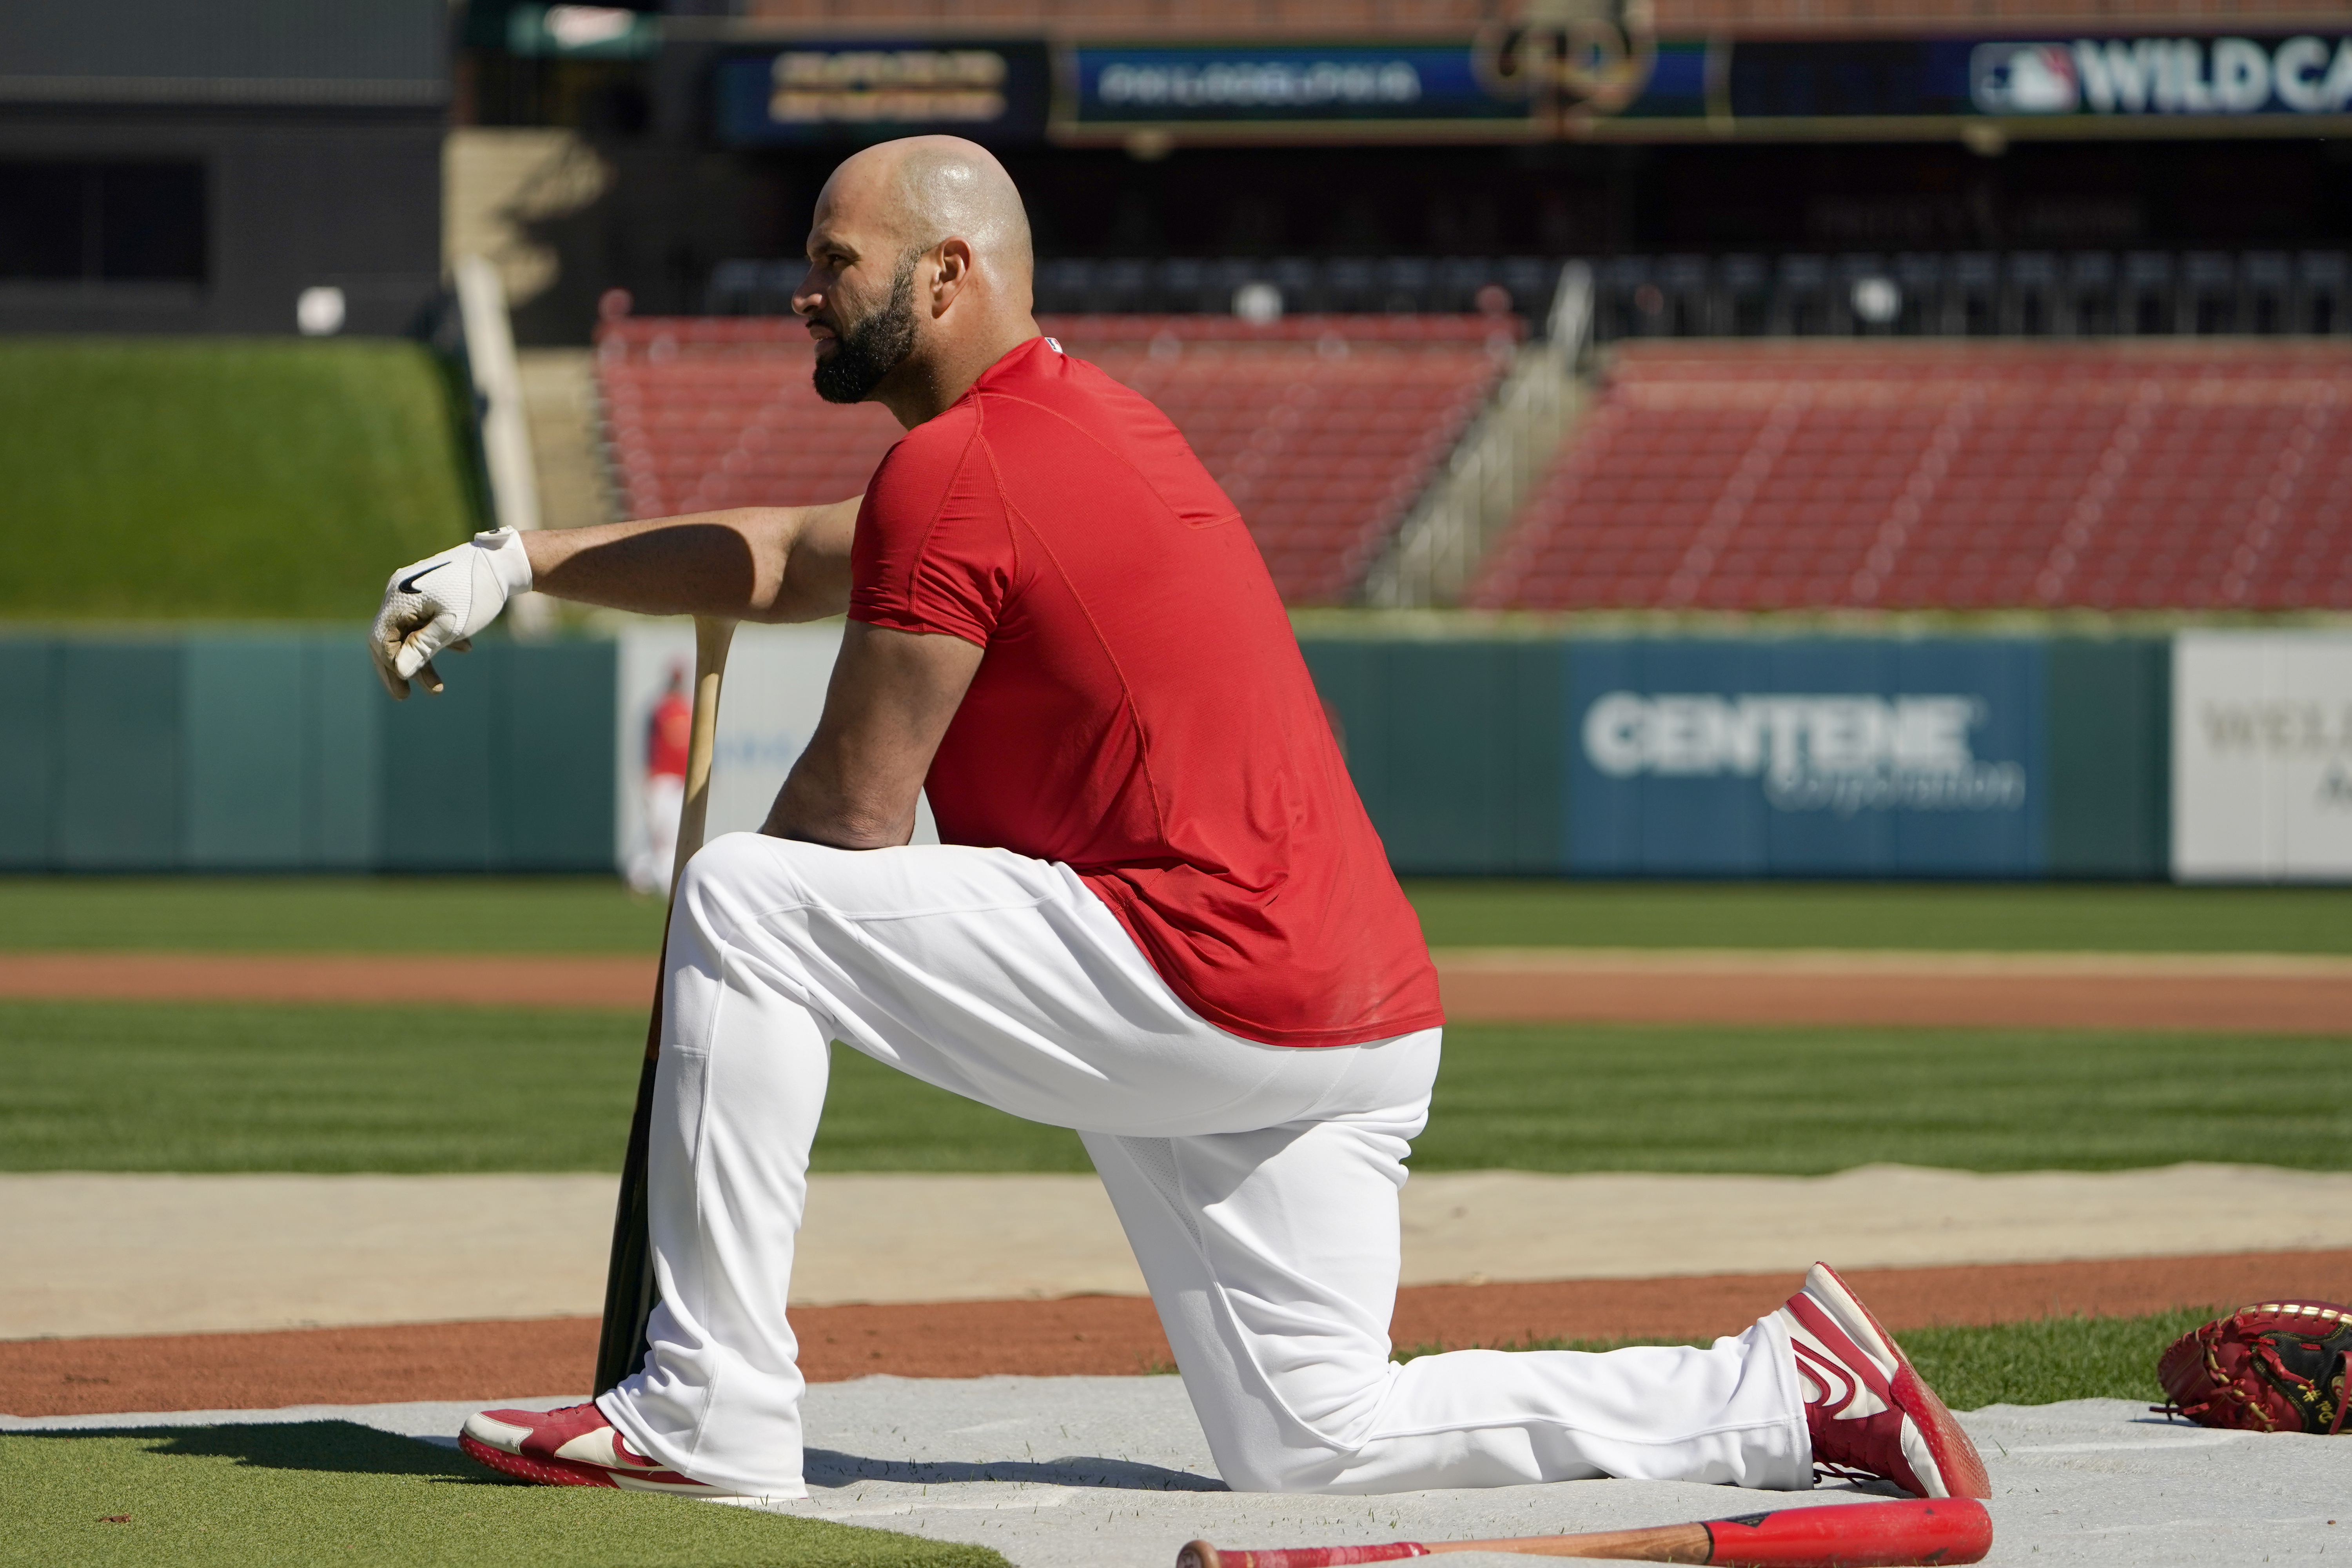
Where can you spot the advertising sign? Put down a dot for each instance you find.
(1807, 758)
(830, 91)
(2262, 756)
(2302, 75)
(1614, 78)
(768, 706)
(1172, 85)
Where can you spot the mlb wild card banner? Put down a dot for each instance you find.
(1814, 757)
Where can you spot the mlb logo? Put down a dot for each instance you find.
(2023, 79)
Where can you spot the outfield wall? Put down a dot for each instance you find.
(1760, 757)
(281, 753)
(2212, 755)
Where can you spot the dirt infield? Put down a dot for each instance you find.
(2236, 993)
(1077, 1335)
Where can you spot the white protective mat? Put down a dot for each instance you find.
(1105, 1472)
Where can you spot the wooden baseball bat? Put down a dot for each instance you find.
(1847, 1535)
(629, 1277)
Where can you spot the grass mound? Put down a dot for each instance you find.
(1991, 917)
(2042, 1361)
(331, 1492)
(89, 1086)
(595, 914)
(327, 914)
(220, 478)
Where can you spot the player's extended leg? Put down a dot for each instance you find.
(1273, 1257)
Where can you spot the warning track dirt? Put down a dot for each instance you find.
(1074, 1335)
(2233, 993)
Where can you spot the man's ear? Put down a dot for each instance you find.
(949, 274)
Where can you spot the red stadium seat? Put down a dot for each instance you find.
(1325, 430)
(1947, 475)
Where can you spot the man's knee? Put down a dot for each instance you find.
(729, 881)
(1306, 1432)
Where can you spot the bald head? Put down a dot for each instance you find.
(919, 273)
(927, 189)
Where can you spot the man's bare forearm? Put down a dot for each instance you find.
(754, 564)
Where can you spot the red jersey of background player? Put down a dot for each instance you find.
(666, 733)
(1143, 714)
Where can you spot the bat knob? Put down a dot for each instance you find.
(1197, 1554)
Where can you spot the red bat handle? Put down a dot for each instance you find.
(1201, 1555)
(1856, 1535)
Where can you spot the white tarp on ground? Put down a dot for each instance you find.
(768, 709)
(2262, 756)
(1106, 1472)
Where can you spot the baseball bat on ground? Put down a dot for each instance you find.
(629, 1278)
(1848, 1535)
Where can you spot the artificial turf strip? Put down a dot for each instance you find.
(1917, 916)
(331, 1492)
(327, 914)
(595, 914)
(147, 477)
(149, 1086)
(2041, 1361)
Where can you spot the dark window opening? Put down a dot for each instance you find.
(103, 223)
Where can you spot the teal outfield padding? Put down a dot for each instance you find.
(1760, 756)
(281, 753)
(1631, 757)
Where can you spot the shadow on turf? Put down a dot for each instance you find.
(341, 1447)
(825, 1467)
(348, 1449)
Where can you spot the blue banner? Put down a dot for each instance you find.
(1286, 82)
(2128, 78)
(1816, 757)
(1532, 79)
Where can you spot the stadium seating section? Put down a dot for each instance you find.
(1757, 477)
(1324, 430)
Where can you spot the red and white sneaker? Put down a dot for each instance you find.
(573, 1446)
(1869, 1411)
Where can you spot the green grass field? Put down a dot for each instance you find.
(145, 1087)
(330, 1491)
(219, 478)
(595, 914)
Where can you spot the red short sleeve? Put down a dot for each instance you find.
(933, 552)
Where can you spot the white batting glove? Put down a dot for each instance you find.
(441, 601)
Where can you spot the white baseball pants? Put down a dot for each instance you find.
(1257, 1183)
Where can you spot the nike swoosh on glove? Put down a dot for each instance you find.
(442, 601)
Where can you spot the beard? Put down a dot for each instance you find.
(863, 355)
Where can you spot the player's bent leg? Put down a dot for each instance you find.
(1272, 1258)
(737, 1096)
(993, 976)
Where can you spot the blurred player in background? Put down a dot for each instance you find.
(667, 729)
(1158, 916)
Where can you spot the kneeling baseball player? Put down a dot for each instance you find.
(1159, 917)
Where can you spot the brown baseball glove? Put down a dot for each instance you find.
(2281, 1366)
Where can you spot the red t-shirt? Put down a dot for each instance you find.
(1142, 714)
